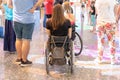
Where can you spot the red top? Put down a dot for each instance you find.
(48, 6)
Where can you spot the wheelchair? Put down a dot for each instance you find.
(59, 51)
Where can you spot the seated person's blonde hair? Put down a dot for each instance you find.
(67, 7)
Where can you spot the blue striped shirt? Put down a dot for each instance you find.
(21, 11)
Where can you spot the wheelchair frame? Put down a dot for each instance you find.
(48, 52)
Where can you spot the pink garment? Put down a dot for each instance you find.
(72, 23)
(109, 30)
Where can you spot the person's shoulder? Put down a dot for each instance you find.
(67, 21)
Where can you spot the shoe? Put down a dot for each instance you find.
(27, 63)
(98, 60)
(18, 61)
(12, 52)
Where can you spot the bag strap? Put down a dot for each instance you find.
(64, 41)
(53, 41)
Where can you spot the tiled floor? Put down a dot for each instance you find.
(84, 66)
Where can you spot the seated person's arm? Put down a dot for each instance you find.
(48, 28)
(70, 17)
(69, 29)
(70, 32)
(48, 31)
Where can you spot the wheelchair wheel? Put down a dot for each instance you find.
(70, 62)
(78, 44)
(47, 60)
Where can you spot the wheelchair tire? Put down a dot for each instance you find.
(47, 60)
(70, 62)
(78, 43)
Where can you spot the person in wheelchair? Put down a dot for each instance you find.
(68, 13)
(58, 25)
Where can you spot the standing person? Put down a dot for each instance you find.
(82, 16)
(88, 11)
(23, 25)
(105, 26)
(9, 36)
(93, 15)
(48, 8)
(58, 25)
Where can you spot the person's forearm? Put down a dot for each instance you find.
(39, 2)
(70, 32)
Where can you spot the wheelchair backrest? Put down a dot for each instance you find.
(59, 40)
